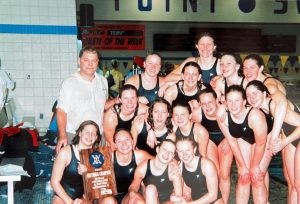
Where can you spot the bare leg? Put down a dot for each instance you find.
(259, 187)
(225, 168)
(243, 187)
(242, 191)
(267, 182)
(259, 191)
(289, 159)
(264, 164)
(212, 154)
(297, 172)
(286, 176)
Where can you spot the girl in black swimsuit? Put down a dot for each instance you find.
(245, 129)
(218, 149)
(66, 179)
(125, 161)
(198, 173)
(232, 73)
(122, 115)
(185, 127)
(278, 116)
(151, 131)
(209, 63)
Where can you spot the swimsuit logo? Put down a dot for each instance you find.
(244, 129)
(130, 170)
(96, 159)
(162, 180)
(211, 74)
(197, 175)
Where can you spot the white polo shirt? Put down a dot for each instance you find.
(83, 100)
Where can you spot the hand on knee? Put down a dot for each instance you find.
(257, 175)
(136, 198)
(244, 179)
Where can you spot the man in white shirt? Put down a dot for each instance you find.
(82, 97)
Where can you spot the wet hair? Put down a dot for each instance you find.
(236, 88)
(193, 64)
(154, 53)
(259, 86)
(89, 49)
(167, 140)
(204, 34)
(207, 91)
(207, 34)
(197, 66)
(237, 60)
(119, 130)
(128, 87)
(76, 138)
(183, 104)
(168, 122)
(259, 60)
(188, 139)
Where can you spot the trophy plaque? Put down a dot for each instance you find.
(99, 180)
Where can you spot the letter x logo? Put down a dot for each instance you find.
(96, 159)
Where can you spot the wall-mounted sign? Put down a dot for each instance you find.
(114, 37)
(239, 11)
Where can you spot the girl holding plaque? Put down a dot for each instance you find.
(66, 179)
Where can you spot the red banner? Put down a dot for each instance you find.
(114, 37)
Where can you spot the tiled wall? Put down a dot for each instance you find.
(38, 48)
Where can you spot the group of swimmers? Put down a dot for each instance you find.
(173, 139)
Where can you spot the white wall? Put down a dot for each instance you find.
(37, 62)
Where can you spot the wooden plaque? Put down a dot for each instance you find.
(99, 180)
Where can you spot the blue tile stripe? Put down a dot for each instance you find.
(38, 29)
